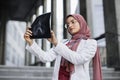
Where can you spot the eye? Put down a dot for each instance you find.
(72, 22)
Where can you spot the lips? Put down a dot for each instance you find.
(71, 29)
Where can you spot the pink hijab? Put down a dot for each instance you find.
(84, 33)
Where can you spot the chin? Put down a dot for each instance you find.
(72, 33)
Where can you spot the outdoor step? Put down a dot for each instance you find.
(25, 71)
(25, 67)
(110, 78)
(13, 72)
(43, 73)
(110, 73)
(43, 78)
(24, 78)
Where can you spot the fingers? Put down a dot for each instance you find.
(53, 39)
(52, 34)
(28, 33)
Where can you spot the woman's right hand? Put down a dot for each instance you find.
(27, 35)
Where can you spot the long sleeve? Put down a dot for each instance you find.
(44, 56)
(82, 55)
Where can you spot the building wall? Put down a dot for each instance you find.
(98, 27)
(15, 44)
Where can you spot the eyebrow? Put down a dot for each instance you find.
(71, 20)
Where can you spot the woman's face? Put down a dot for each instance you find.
(73, 25)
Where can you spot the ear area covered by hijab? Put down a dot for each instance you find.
(41, 26)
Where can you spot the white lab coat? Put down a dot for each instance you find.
(80, 58)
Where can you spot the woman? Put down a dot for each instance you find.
(74, 55)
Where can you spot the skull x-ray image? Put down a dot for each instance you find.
(41, 26)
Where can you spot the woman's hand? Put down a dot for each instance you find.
(27, 35)
(53, 39)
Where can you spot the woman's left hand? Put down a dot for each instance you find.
(53, 39)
